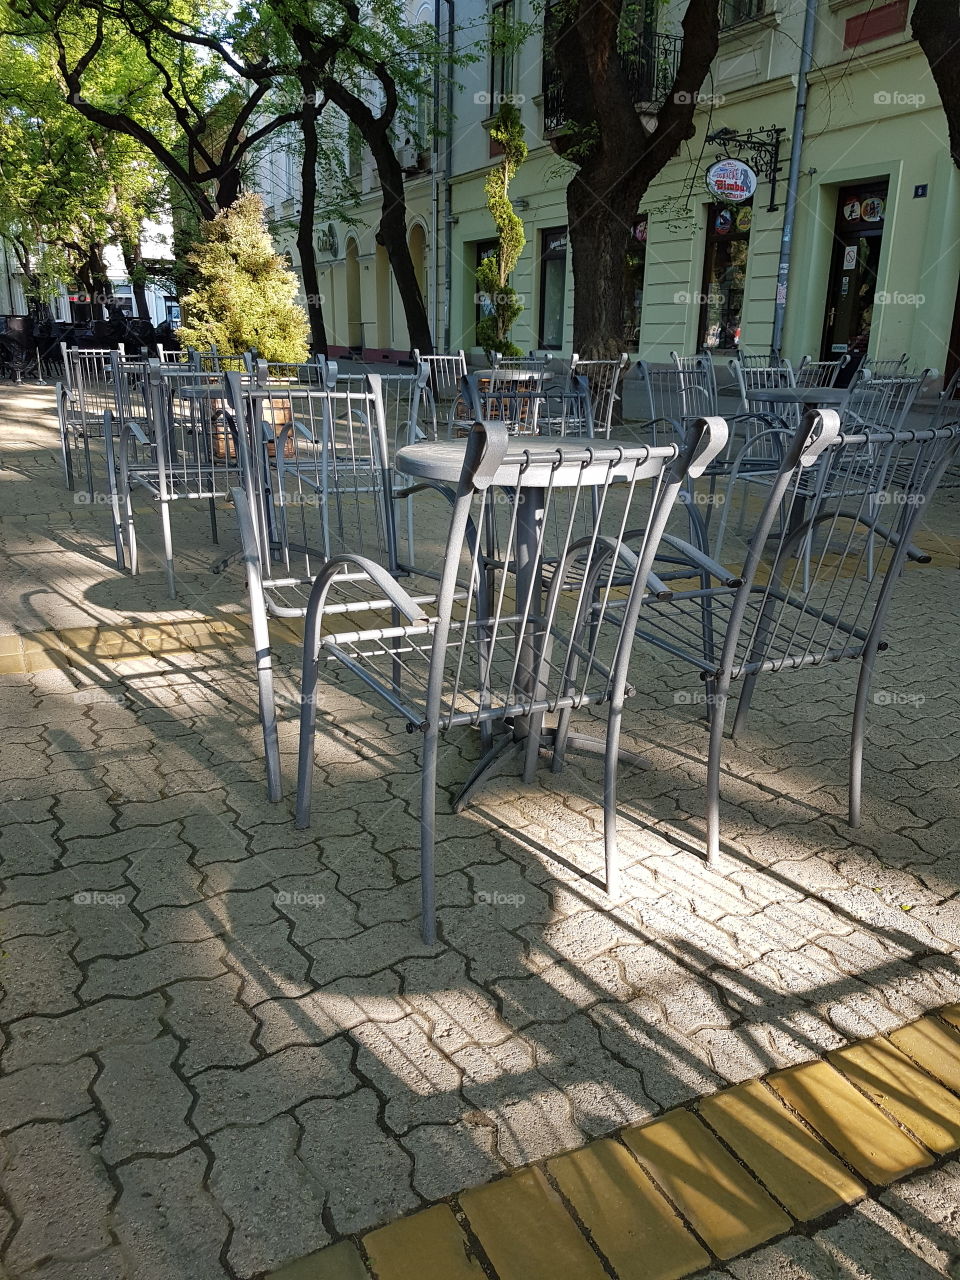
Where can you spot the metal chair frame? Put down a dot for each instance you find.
(547, 631)
(603, 379)
(775, 615)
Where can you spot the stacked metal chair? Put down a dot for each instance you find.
(780, 612)
(819, 373)
(84, 396)
(186, 450)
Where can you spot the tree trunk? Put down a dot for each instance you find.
(392, 234)
(599, 239)
(133, 261)
(228, 188)
(306, 246)
(936, 28)
(616, 153)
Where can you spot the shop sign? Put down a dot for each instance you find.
(731, 180)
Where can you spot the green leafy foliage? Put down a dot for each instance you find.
(244, 295)
(493, 274)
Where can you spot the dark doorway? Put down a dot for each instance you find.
(851, 295)
(724, 276)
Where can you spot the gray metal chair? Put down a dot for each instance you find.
(445, 377)
(698, 384)
(774, 614)
(186, 451)
(503, 644)
(86, 396)
(603, 378)
(819, 373)
(316, 483)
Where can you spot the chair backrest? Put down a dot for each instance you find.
(530, 363)
(191, 426)
(761, 378)
(89, 375)
(759, 360)
(698, 384)
(166, 356)
(885, 402)
(603, 378)
(661, 397)
(891, 367)
(551, 628)
(819, 373)
(317, 478)
(528, 409)
(818, 575)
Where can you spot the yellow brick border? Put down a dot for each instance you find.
(695, 1187)
(79, 647)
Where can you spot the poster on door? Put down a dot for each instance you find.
(850, 257)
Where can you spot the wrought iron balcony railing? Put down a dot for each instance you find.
(651, 67)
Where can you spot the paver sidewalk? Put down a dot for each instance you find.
(223, 1046)
(703, 1186)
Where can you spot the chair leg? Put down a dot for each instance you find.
(428, 836)
(213, 521)
(308, 729)
(611, 761)
(743, 706)
(856, 739)
(168, 549)
(713, 772)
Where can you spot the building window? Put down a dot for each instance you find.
(724, 276)
(553, 280)
(733, 12)
(483, 307)
(501, 54)
(354, 151)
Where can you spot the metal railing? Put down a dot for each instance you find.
(651, 67)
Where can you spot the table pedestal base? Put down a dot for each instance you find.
(517, 740)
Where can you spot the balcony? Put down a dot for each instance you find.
(651, 66)
(733, 13)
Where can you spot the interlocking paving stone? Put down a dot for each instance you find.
(216, 1031)
(862, 1135)
(798, 1169)
(269, 1086)
(918, 1102)
(365, 1173)
(728, 1209)
(635, 1227)
(38, 1040)
(267, 1192)
(166, 1220)
(501, 1215)
(429, 1245)
(158, 967)
(400, 1061)
(39, 977)
(935, 1046)
(58, 1190)
(50, 1092)
(150, 1118)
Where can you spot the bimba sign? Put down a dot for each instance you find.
(731, 180)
